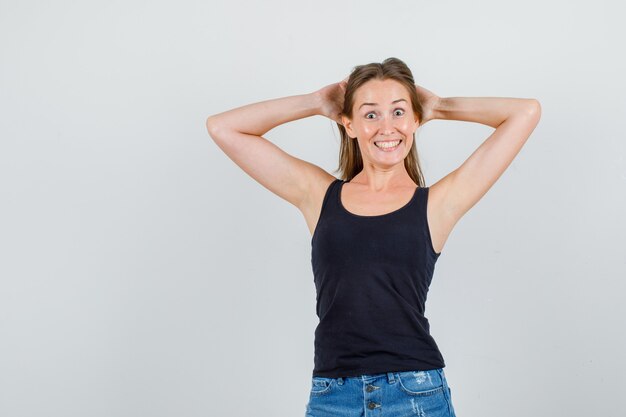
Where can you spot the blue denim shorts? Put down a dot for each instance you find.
(391, 394)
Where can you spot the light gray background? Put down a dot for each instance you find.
(144, 274)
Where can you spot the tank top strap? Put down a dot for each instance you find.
(330, 204)
(422, 207)
(422, 195)
(331, 199)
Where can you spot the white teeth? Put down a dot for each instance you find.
(387, 144)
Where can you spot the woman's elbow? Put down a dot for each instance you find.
(212, 126)
(535, 106)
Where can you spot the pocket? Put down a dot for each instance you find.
(321, 385)
(420, 383)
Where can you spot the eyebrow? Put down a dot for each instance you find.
(374, 104)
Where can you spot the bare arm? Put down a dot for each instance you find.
(514, 120)
(259, 118)
(238, 132)
(490, 111)
(456, 193)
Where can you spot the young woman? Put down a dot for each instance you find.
(377, 231)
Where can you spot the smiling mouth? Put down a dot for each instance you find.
(388, 144)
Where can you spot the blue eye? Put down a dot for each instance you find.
(400, 110)
(368, 115)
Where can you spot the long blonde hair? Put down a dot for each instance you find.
(350, 159)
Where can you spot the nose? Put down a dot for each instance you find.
(387, 126)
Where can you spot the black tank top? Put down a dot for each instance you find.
(372, 275)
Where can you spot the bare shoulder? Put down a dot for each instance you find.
(311, 204)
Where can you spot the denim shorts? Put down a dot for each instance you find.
(391, 394)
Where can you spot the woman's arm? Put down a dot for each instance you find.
(490, 111)
(259, 118)
(514, 120)
(238, 132)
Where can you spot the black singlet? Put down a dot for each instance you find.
(372, 275)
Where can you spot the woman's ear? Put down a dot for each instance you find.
(344, 119)
(347, 124)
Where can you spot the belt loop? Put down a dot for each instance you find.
(390, 377)
(340, 381)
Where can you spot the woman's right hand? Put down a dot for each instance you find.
(331, 98)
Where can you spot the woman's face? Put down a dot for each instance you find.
(382, 112)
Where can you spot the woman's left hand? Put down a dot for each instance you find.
(430, 102)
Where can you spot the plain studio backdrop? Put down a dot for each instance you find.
(143, 273)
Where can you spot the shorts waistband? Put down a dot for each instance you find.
(392, 377)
